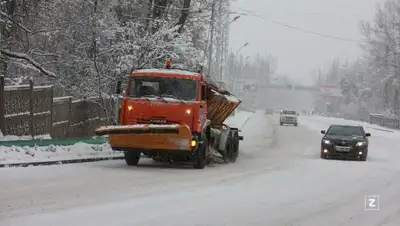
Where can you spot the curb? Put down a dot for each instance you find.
(59, 162)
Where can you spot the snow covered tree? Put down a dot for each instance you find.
(88, 45)
(383, 52)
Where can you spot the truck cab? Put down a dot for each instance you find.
(288, 117)
(165, 96)
(173, 115)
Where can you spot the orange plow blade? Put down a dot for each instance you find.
(149, 137)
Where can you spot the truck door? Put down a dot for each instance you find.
(203, 104)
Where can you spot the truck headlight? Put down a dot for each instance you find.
(361, 143)
(326, 141)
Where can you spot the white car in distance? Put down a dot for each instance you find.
(288, 117)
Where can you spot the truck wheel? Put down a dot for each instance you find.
(281, 123)
(132, 157)
(235, 147)
(228, 148)
(199, 161)
(295, 124)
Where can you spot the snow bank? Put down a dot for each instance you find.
(9, 155)
(11, 137)
(14, 154)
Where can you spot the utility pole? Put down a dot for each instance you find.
(225, 41)
(219, 33)
(210, 53)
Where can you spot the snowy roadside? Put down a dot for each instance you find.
(78, 151)
(15, 155)
(12, 138)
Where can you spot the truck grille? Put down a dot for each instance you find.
(159, 121)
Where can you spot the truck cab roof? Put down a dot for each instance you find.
(178, 73)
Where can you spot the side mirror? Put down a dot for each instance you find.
(323, 131)
(367, 134)
(119, 87)
(203, 92)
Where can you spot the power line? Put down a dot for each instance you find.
(300, 29)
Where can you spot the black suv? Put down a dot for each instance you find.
(345, 141)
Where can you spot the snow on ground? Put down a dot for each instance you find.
(284, 184)
(11, 137)
(9, 155)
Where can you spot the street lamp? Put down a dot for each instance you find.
(234, 64)
(234, 19)
(246, 44)
(220, 57)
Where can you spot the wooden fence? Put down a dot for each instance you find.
(29, 110)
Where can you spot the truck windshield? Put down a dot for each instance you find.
(182, 89)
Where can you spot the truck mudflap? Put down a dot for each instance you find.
(148, 137)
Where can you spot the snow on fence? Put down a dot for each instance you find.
(385, 121)
(32, 110)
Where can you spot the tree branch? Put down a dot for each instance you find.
(15, 22)
(30, 60)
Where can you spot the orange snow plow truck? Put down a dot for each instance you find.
(174, 115)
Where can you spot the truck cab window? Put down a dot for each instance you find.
(181, 89)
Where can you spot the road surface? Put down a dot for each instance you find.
(278, 180)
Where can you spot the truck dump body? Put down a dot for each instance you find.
(220, 107)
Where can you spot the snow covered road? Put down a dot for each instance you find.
(278, 180)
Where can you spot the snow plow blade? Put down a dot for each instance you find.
(148, 137)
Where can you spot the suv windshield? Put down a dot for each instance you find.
(182, 89)
(346, 131)
(285, 112)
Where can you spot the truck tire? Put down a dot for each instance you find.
(199, 160)
(132, 157)
(228, 148)
(281, 123)
(235, 147)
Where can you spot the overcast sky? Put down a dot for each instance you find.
(299, 53)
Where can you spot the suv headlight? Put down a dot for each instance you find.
(326, 141)
(361, 143)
